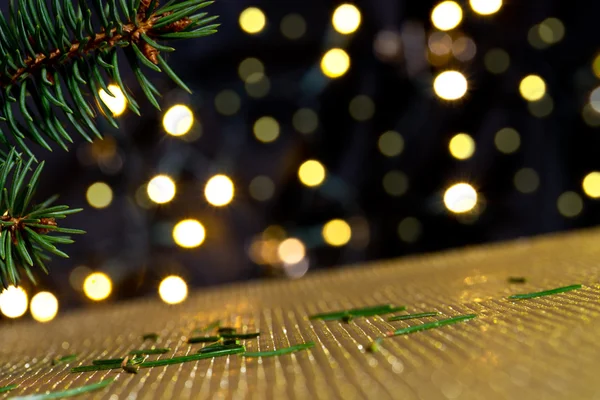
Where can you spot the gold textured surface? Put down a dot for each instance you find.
(545, 348)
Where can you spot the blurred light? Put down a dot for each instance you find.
(178, 120)
(551, 30)
(311, 173)
(346, 19)
(591, 185)
(252, 20)
(219, 190)
(507, 140)
(526, 180)
(293, 26)
(440, 43)
(534, 38)
(486, 7)
(116, 103)
(361, 232)
(569, 204)
(161, 189)
(590, 116)
(97, 286)
(250, 66)
(305, 120)
(99, 195)
(257, 85)
(336, 232)
(410, 229)
(595, 99)
(262, 188)
(227, 102)
(390, 144)
(596, 66)
(13, 302)
(388, 45)
(264, 251)
(395, 183)
(291, 251)
(44, 306)
(189, 233)
(446, 15)
(77, 276)
(362, 108)
(462, 146)
(541, 108)
(274, 232)
(496, 61)
(142, 199)
(532, 88)
(297, 270)
(464, 48)
(460, 198)
(335, 63)
(266, 129)
(450, 85)
(173, 290)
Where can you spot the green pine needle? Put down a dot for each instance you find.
(69, 392)
(279, 352)
(347, 315)
(431, 325)
(8, 388)
(544, 292)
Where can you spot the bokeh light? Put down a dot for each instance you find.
(450, 85)
(532, 88)
(262, 188)
(291, 251)
(551, 30)
(596, 65)
(464, 49)
(526, 180)
(361, 108)
(219, 190)
(591, 184)
(173, 290)
(395, 183)
(44, 306)
(337, 232)
(117, 103)
(99, 195)
(462, 146)
(251, 68)
(595, 99)
(460, 198)
(496, 61)
(311, 173)
(390, 143)
(335, 63)
(293, 26)
(346, 19)
(569, 204)
(446, 15)
(257, 86)
(178, 120)
(507, 140)
(541, 108)
(97, 286)
(13, 302)
(305, 120)
(189, 233)
(161, 189)
(227, 102)
(252, 20)
(266, 129)
(410, 229)
(486, 7)
(77, 277)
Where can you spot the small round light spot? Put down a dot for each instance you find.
(590, 116)
(189, 233)
(551, 30)
(496, 61)
(291, 251)
(305, 120)
(97, 286)
(161, 189)
(99, 195)
(13, 302)
(591, 185)
(266, 129)
(262, 188)
(527, 180)
(249, 67)
(178, 120)
(252, 20)
(219, 190)
(486, 7)
(464, 49)
(390, 144)
(541, 108)
(395, 183)
(293, 26)
(410, 229)
(595, 99)
(446, 15)
(336, 232)
(257, 86)
(596, 66)
(450, 85)
(117, 103)
(173, 290)
(335, 63)
(462, 146)
(507, 140)
(227, 102)
(569, 204)
(346, 19)
(44, 306)
(311, 173)
(532, 88)
(460, 198)
(362, 108)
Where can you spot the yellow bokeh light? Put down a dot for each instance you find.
(178, 120)
(361, 108)
(262, 188)
(189, 233)
(390, 143)
(291, 251)
(337, 232)
(335, 63)
(569, 204)
(496, 61)
(446, 16)
(486, 7)
(161, 189)
(507, 140)
(99, 195)
(526, 180)
(117, 103)
(346, 19)
(462, 146)
(219, 190)
(532, 88)
(293, 26)
(13, 302)
(305, 120)
(173, 290)
(395, 183)
(44, 306)
(252, 20)
(250, 66)
(460, 198)
(410, 229)
(596, 66)
(266, 129)
(591, 185)
(551, 30)
(450, 85)
(311, 173)
(227, 102)
(541, 108)
(97, 286)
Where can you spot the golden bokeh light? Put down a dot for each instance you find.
(293, 26)
(486, 7)
(219, 190)
(311, 173)
(305, 120)
(77, 277)
(291, 251)
(410, 229)
(507, 140)
(97, 286)
(464, 49)
(590, 116)
(161, 189)
(335, 63)
(460, 198)
(496, 61)
(450, 85)
(173, 290)
(446, 15)
(13, 302)
(252, 20)
(346, 19)
(262, 188)
(227, 102)
(569, 204)
(178, 120)
(596, 65)
(395, 183)
(541, 108)
(390, 143)
(462, 146)
(117, 103)
(551, 30)
(266, 129)
(526, 180)
(532, 88)
(249, 67)
(43, 306)
(257, 86)
(337, 232)
(361, 108)
(99, 195)
(189, 233)
(591, 185)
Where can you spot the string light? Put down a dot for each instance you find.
(219, 190)
(189, 233)
(178, 120)
(462, 146)
(460, 198)
(99, 195)
(336, 232)
(117, 103)
(161, 189)
(486, 7)
(291, 251)
(335, 63)
(346, 19)
(446, 15)
(591, 184)
(450, 85)
(44, 307)
(266, 129)
(311, 173)
(569, 204)
(532, 88)
(252, 20)
(173, 290)
(97, 286)
(13, 302)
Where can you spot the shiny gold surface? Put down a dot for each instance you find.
(545, 348)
